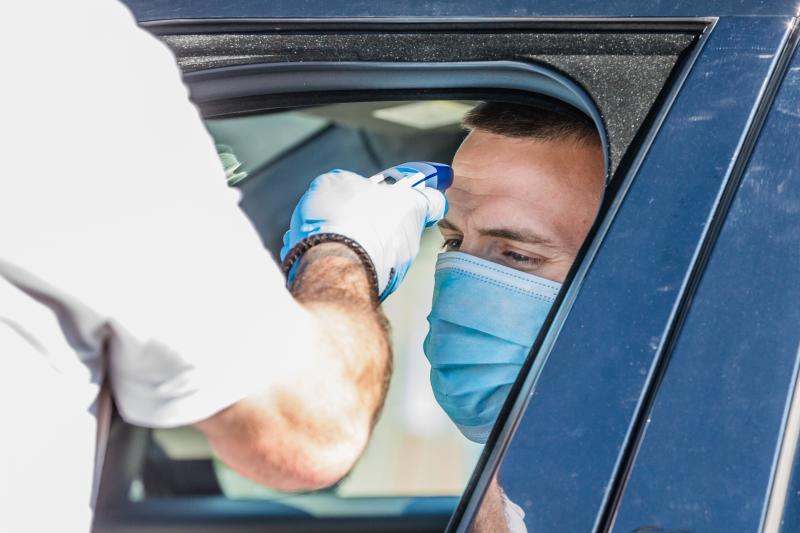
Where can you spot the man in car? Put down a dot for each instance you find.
(527, 186)
(528, 183)
(125, 263)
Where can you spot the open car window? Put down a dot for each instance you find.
(365, 116)
(415, 451)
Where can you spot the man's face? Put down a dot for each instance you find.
(524, 203)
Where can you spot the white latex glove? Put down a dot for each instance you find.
(385, 220)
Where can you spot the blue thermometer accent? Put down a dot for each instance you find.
(436, 175)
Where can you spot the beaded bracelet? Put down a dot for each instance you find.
(309, 242)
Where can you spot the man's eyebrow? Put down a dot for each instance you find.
(504, 233)
(517, 235)
(446, 224)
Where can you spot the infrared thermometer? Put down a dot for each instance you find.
(414, 174)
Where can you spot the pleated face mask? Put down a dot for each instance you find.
(483, 322)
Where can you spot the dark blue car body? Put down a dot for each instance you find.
(660, 398)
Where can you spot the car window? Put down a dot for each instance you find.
(613, 75)
(497, 225)
(415, 449)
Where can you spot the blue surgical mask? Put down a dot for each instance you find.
(483, 322)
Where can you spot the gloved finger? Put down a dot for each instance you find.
(436, 205)
(334, 178)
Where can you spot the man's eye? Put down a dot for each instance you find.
(519, 258)
(451, 244)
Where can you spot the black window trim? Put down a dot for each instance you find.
(402, 24)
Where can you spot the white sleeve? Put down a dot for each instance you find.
(515, 516)
(114, 194)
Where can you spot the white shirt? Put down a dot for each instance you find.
(121, 250)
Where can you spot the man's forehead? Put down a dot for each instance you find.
(484, 158)
(551, 187)
(471, 210)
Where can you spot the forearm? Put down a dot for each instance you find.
(491, 517)
(332, 285)
(308, 430)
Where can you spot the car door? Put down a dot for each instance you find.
(655, 88)
(712, 373)
(718, 447)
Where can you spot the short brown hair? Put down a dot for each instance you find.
(522, 121)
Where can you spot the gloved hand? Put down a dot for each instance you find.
(385, 220)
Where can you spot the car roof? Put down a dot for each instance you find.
(146, 10)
